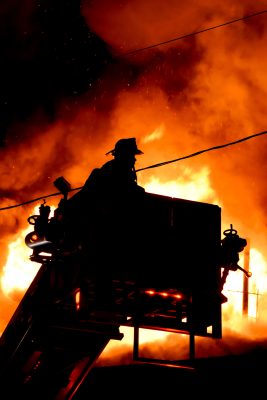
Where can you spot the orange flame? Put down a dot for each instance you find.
(176, 99)
(19, 270)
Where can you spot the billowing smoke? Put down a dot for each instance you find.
(204, 90)
(69, 91)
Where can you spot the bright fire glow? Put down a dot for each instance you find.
(19, 271)
(192, 185)
(177, 98)
(257, 285)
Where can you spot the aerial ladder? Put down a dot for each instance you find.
(58, 331)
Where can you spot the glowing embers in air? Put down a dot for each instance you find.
(78, 299)
(164, 294)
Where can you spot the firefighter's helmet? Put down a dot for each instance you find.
(124, 147)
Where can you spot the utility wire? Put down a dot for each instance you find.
(192, 34)
(149, 167)
(36, 199)
(203, 151)
(181, 158)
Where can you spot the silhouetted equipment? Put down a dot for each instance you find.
(36, 239)
(231, 246)
(63, 186)
(157, 266)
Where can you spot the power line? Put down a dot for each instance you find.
(36, 199)
(181, 158)
(204, 151)
(192, 34)
(149, 167)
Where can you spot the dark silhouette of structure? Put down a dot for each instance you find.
(113, 255)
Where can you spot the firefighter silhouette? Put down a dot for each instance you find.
(118, 175)
(103, 217)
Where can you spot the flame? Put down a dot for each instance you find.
(191, 185)
(19, 271)
(175, 99)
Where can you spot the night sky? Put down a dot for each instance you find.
(48, 53)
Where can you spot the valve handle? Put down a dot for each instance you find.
(247, 273)
(32, 219)
(230, 232)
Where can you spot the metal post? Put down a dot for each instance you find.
(136, 343)
(191, 346)
(246, 279)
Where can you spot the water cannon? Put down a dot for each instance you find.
(36, 240)
(231, 246)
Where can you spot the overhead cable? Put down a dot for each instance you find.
(142, 169)
(191, 34)
(203, 151)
